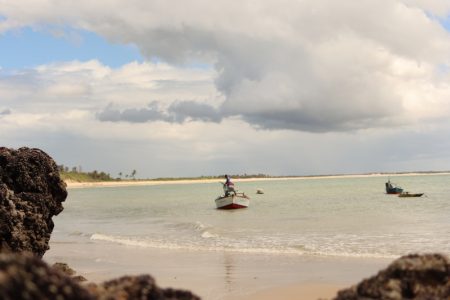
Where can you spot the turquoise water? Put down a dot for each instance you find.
(343, 217)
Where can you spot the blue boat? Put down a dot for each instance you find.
(393, 189)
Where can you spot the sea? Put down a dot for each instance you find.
(306, 219)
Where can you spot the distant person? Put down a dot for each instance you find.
(228, 186)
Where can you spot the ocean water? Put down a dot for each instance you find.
(322, 217)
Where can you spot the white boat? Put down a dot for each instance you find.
(240, 200)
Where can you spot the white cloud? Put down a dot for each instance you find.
(303, 65)
(346, 69)
(92, 86)
(439, 8)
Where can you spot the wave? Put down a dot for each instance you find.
(237, 247)
(208, 235)
(79, 233)
(197, 227)
(187, 246)
(119, 240)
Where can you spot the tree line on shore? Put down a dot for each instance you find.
(235, 176)
(77, 174)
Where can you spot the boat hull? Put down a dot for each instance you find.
(232, 202)
(394, 191)
(406, 195)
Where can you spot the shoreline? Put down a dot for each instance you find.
(123, 183)
(213, 273)
(219, 275)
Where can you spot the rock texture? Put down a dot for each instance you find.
(64, 268)
(409, 277)
(137, 287)
(25, 276)
(31, 193)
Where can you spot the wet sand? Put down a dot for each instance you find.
(304, 291)
(215, 275)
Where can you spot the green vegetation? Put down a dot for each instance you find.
(75, 174)
(235, 176)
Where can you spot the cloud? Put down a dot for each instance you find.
(5, 112)
(177, 112)
(59, 88)
(313, 65)
(151, 113)
(190, 110)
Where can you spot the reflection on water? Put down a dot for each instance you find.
(229, 271)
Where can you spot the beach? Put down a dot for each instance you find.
(119, 183)
(304, 238)
(307, 291)
(223, 276)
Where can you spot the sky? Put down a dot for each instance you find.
(182, 88)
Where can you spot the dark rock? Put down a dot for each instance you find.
(31, 193)
(64, 268)
(137, 287)
(170, 294)
(25, 276)
(79, 278)
(409, 277)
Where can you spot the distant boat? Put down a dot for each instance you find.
(393, 189)
(408, 194)
(259, 191)
(240, 200)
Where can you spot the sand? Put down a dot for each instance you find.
(219, 275)
(304, 291)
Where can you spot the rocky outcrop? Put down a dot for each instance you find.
(64, 268)
(409, 277)
(31, 193)
(137, 287)
(25, 276)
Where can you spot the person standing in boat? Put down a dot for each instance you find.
(228, 186)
